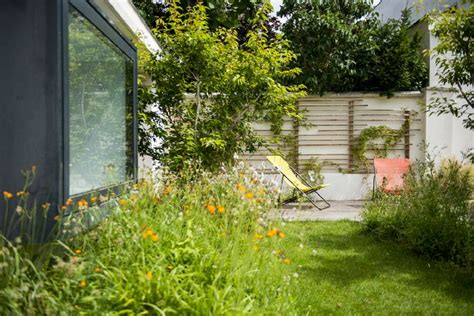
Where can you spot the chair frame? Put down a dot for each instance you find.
(303, 193)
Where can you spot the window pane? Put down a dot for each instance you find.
(100, 109)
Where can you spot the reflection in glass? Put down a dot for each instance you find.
(100, 112)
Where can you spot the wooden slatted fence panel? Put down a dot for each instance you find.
(336, 121)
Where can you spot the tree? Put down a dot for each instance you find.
(454, 56)
(343, 46)
(209, 89)
(221, 13)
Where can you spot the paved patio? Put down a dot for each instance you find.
(339, 210)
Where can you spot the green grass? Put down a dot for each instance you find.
(341, 270)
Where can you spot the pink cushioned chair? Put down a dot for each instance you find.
(389, 174)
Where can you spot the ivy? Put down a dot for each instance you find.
(369, 135)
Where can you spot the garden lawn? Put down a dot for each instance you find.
(342, 270)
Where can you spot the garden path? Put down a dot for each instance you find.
(339, 210)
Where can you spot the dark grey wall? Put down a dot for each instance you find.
(30, 96)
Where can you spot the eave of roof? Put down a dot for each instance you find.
(125, 17)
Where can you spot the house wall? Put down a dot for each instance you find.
(444, 134)
(30, 98)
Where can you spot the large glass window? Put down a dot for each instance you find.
(100, 109)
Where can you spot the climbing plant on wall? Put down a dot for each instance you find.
(378, 139)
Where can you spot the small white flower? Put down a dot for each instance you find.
(296, 275)
(301, 246)
(20, 210)
(314, 251)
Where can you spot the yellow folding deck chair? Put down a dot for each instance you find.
(292, 178)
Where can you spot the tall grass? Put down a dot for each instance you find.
(431, 215)
(204, 246)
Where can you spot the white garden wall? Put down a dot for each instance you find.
(337, 121)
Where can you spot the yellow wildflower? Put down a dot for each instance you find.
(46, 205)
(241, 188)
(286, 261)
(97, 269)
(220, 209)
(258, 236)
(281, 234)
(93, 199)
(20, 193)
(7, 195)
(149, 275)
(34, 168)
(122, 202)
(249, 195)
(77, 251)
(82, 284)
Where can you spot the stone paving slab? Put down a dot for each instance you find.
(339, 210)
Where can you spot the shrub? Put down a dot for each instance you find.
(431, 215)
(201, 247)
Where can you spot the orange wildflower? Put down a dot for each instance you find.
(211, 208)
(69, 202)
(46, 205)
(281, 234)
(7, 195)
(82, 203)
(148, 232)
(286, 261)
(249, 195)
(272, 232)
(97, 269)
(154, 237)
(220, 209)
(167, 190)
(82, 284)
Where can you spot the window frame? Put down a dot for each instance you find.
(95, 17)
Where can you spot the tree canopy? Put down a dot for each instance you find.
(454, 56)
(343, 46)
(207, 89)
(221, 14)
